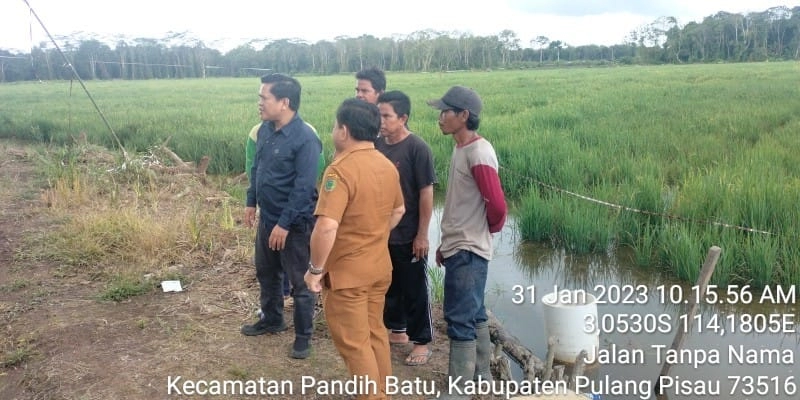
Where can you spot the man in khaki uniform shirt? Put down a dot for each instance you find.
(360, 202)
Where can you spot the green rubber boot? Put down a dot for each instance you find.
(460, 370)
(483, 347)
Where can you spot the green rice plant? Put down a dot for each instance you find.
(651, 196)
(789, 268)
(47, 131)
(682, 251)
(550, 163)
(706, 143)
(592, 169)
(436, 280)
(513, 182)
(585, 230)
(644, 245)
(535, 220)
(694, 200)
(730, 266)
(761, 251)
(8, 127)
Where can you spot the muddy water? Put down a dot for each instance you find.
(733, 350)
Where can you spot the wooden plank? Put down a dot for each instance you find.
(531, 365)
(680, 336)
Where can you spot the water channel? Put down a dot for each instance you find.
(757, 361)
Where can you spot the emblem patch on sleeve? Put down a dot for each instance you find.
(330, 182)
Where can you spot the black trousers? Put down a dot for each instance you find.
(408, 306)
(273, 267)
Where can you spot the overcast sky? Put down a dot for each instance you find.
(574, 22)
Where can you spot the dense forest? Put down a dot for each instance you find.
(773, 34)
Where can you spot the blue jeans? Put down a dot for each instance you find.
(464, 285)
(271, 269)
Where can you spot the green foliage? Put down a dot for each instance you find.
(682, 251)
(237, 191)
(17, 356)
(761, 251)
(583, 228)
(644, 244)
(705, 145)
(789, 254)
(17, 284)
(436, 279)
(123, 287)
(536, 221)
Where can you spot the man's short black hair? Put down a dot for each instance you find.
(399, 101)
(284, 87)
(375, 76)
(361, 118)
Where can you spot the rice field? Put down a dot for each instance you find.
(665, 160)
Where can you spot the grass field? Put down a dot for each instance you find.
(687, 156)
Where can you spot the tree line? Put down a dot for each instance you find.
(773, 34)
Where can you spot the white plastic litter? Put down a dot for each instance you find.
(171, 286)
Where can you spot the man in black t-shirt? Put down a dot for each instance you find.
(407, 312)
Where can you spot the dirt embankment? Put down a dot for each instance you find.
(61, 340)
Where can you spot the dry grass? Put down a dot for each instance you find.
(83, 313)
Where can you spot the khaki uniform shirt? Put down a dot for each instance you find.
(359, 190)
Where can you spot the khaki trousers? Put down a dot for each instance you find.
(355, 320)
